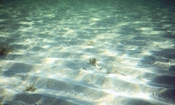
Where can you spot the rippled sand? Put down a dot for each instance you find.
(50, 45)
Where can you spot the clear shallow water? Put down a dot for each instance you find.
(52, 42)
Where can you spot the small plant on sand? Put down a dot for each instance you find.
(4, 50)
(31, 88)
(93, 61)
(91, 43)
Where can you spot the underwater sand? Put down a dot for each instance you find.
(52, 43)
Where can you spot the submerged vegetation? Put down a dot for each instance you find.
(31, 88)
(91, 43)
(93, 61)
(4, 50)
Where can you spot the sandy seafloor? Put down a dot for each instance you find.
(50, 43)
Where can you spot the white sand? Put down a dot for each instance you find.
(52, 43)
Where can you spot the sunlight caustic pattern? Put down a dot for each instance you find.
(53, 44)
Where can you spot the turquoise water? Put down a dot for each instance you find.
(87, 52)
